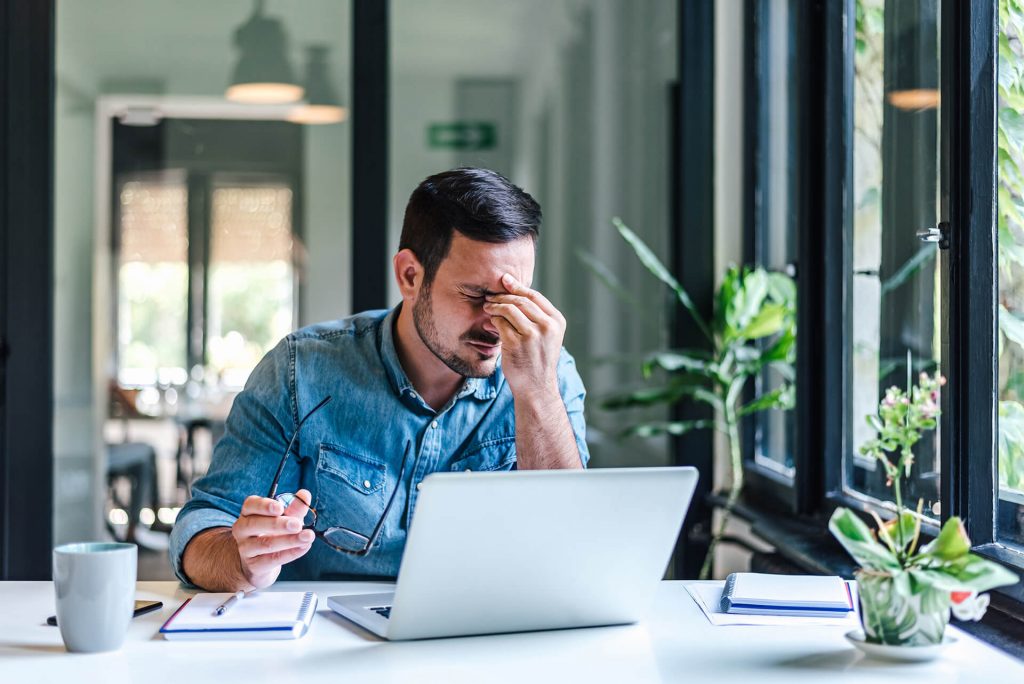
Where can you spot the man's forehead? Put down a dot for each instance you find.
(479, 266)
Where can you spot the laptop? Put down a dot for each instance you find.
(530, 550)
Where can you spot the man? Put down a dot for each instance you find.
(466, 373)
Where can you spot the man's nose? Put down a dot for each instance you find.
(488, 326)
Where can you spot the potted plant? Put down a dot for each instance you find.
(907, 589)
(753, 329)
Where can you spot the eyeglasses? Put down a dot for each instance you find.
(337, 537)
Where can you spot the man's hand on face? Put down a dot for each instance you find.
(268, 536)
(531, 331)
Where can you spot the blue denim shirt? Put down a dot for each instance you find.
(349, 453)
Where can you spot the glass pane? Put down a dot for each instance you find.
(152, 282)
(196, 223)
(252, 281)
(775, 238)
(896, 181)
(571, 102)
(1010, 496)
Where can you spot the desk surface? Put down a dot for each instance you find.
(675, 643)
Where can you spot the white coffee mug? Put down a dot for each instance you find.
(95, 588)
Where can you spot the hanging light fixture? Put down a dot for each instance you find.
(263, 74)
(322, 105)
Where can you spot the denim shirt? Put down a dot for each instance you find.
(349, 453)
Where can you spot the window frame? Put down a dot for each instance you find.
(969, 427)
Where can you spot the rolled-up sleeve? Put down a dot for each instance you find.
(570, 385)
(261, 421)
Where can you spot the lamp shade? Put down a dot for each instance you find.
(263, 73)
(322, 105)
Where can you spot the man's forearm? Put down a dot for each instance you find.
(211, 561)
(544, 436)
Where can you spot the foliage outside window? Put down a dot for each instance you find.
(1011, 251)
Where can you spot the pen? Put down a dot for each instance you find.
(223, 608)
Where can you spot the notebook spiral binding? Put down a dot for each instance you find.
(304, 608)
(730, 585)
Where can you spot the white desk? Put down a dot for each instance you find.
(675, 644)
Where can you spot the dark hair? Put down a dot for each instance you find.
(479, 203)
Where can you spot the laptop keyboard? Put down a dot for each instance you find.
(383, 611)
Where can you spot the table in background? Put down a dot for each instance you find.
(675, 644)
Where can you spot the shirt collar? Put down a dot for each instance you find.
(480, 388)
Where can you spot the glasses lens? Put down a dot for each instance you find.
(346, 539)
(286, 501)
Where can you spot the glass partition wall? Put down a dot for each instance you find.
(199, 218)
(571, 101)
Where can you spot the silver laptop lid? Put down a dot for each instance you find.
(526, 550)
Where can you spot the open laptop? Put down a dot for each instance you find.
(530, 550)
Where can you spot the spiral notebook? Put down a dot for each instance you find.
(752, 593)
(261, 615)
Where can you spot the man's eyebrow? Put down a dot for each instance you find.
(478, 289)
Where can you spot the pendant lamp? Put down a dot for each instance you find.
(263, 74)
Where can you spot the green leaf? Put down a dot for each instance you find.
(668, 394)
(658, 270)
(951, 543)
(678, 427)
(610, 280)
(970, 573)
(909, 268)
(783, 347)
(858, 541)
(1011, 326)
(673, 361)
(779, 398)
(782, 289)
(768, 321)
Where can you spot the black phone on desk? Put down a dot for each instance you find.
(141, 608)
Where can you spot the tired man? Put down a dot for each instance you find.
(317, 473)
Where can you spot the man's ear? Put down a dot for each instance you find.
(408, 274)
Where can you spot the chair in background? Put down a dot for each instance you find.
(131, 461)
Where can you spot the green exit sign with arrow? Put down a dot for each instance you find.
(462, 135)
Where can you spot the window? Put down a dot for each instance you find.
(895, 280)
(152, 281)
(773, 206)
(207, 280)
(252, 281)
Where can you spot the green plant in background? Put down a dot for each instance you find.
(753, 329)
(1010, 141)
(906, 592)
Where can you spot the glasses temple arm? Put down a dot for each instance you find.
(394, 495)
(291, 443)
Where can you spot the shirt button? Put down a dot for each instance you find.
(434, 424)
(419, 486)
(469, 470)
(366, 483)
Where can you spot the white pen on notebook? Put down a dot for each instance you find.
(223, 608)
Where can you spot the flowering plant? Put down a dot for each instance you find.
(907, 591)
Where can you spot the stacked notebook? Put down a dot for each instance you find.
(261, 615)
(751, 593)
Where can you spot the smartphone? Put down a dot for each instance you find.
(141, 608)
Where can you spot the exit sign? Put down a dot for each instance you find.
(462, 135)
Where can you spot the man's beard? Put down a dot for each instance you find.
(423, 319)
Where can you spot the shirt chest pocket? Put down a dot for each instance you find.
(492, 454)
(350, 489)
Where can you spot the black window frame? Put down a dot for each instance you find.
(968, 486)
